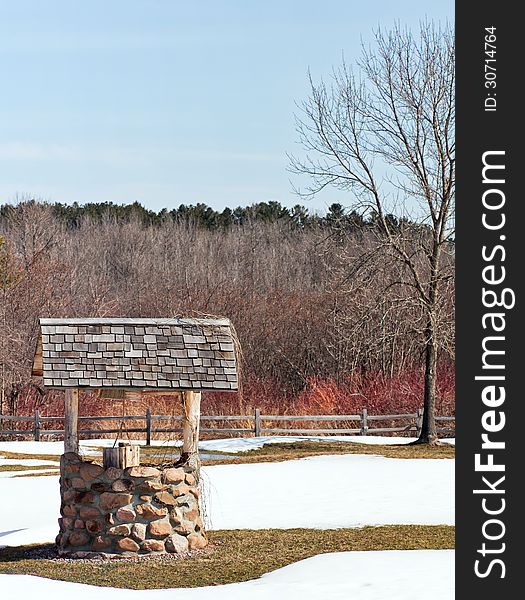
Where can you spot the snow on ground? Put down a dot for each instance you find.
(30, 509)
(322, 492)
(330, 491)
(51, 448)
(396, 575)
(233, 445)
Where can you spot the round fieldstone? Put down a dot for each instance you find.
(165, 498)
(159, 528)
(100, 487)
(174, 475)
(78, 483)
(101, 543)
(191, 514)
(65, 523)
(180, 490)
(71, 457)
(89, 512)
(68, 496)
(85, 497)
(71, 469)
(184, 527)
(197, 541)
(79, 537)
(151, 486)
(186, 500)
(69, 510)
(94, 526)
(147, 511)
(109, 500)
(123, 485)
(112, 473)
(190, 478)
(89, 471)
(127, 545)
(176, 516)
(123, 530)
(176, 544)
(143, 472)
(125, 514)
(153, 546)
(138, 532)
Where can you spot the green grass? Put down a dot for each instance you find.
(237, 555)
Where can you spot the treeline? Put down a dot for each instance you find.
(203, 216)
(303, 312)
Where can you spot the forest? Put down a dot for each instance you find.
(323, 327)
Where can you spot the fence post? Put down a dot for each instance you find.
(148, 427)
(364, 421)
(257, 426)
(37, 425)
(419, 421)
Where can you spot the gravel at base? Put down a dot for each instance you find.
(50, 552)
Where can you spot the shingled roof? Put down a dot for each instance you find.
(163, 354)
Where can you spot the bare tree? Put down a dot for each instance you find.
(385, 133)
(289, 290)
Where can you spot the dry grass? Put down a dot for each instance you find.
(22, 456)
(294, 450)
(26, 468)
(277, 452)
(39, 474)
(237, 555)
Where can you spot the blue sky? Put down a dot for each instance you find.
(169, 102)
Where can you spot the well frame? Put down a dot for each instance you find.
(114, 512)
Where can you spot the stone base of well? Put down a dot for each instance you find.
(135, 511)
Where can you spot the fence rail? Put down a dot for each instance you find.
(257, 420)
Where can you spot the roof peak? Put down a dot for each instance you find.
(135, 321)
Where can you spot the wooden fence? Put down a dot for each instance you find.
(363, 424)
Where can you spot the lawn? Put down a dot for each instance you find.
(234, 556)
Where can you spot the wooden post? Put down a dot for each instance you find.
(190, 426)
(37, 425)
(364, 421)
(71, 420)
(148, 427)
(257, 427)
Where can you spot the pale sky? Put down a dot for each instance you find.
(167, 102)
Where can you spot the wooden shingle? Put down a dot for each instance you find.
(163, 354)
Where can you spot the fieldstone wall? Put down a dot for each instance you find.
(139, 510)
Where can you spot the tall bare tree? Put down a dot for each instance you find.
(384, 131)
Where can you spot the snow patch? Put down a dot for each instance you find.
(322, 492)
(396, 575)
